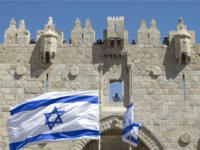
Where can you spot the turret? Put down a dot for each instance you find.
(115, 36)
(49, 43)
(181, 39)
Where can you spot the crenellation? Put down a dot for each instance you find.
(149, 72)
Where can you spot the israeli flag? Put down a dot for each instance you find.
(54, 116)
(130, 127)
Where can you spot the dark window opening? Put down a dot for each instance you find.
(148, 39)
(47, 57)
(115, 91)
(47, 83)
(16, 39)
(112, 43)
(53, 55)
(183, 43)
(82, 39)
(183, 57)
(183, 87)
(118, 41)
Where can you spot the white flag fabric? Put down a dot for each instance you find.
(54, 116)
(130, 127)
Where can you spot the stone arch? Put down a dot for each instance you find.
(145, 135)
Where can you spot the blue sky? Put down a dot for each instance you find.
(64, 14)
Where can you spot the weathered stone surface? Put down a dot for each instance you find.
(20, 70)
(185, 137)
(147, 71)
(156, 71)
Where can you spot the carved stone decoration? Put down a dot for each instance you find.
(115, 120)
(182, 40)
(185, 137)
(74, 71)
(156, 71)
(48, 46)
(20, 70)
(147, 137)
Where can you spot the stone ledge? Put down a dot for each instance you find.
(116, 109)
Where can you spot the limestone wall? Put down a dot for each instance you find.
(156, 83)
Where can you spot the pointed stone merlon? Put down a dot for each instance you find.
(180, 25)
(154, 34)
(148, 36)
(82, 36)
(88, 25)
(49, 25)
(142, 33)
(50, 20)
(17, 36)
(182, 42)
(77, 25)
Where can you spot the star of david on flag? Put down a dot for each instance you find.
(57, 120)
(54, 116)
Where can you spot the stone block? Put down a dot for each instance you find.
(4, 66)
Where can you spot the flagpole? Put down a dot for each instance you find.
(130, 142)
(99, 144)
(130, 135)
(99, 147)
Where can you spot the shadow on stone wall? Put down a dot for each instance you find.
(198, 145)
(37, 67)
(181, 144)
(172, 67)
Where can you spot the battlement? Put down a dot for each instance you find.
(117, 18)
(162, 79)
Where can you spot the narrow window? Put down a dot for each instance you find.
(115, 91)
(16, 39)
(148, 39)
(47, 83)
(118, 42)
(183, 87)
(47, 43)
(47, 57)
(115, 28)
(112, 43)
(183, 57)
(183, 43)
(82, 39)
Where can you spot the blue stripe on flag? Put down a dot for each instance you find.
(55, 136)
(129, 128)
(68, 99)
(131, 104)
(133, 139)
